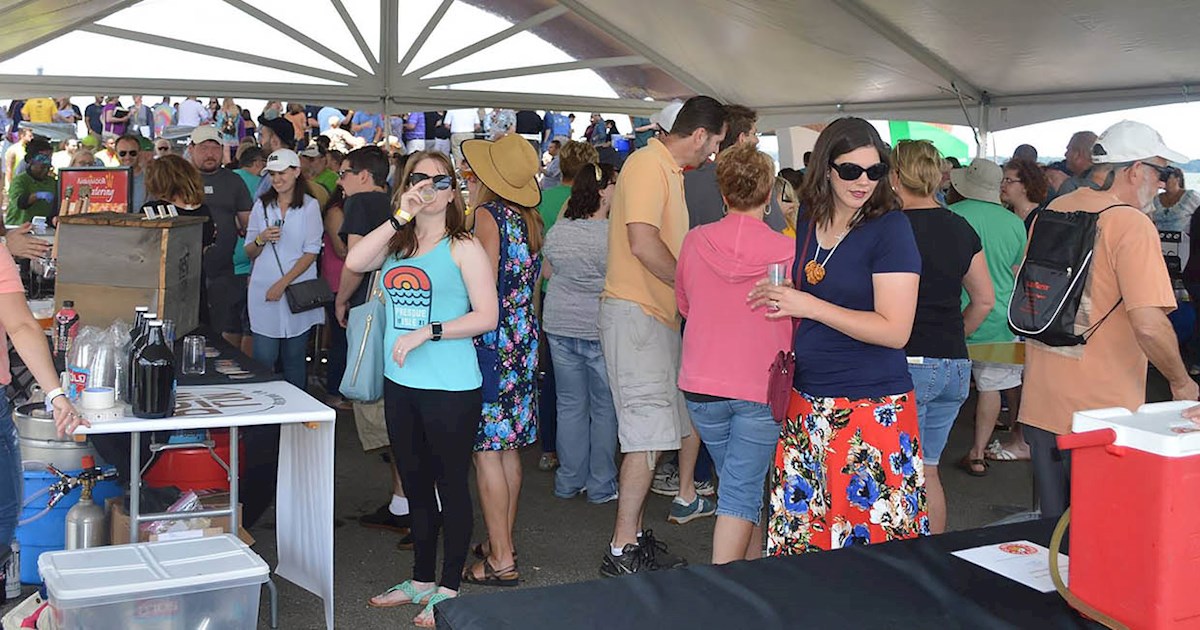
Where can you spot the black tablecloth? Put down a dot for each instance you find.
(907, 584)
(258, 373)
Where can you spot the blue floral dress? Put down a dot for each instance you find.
(511, 421)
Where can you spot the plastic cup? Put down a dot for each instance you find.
(777, 274)
(193, 354)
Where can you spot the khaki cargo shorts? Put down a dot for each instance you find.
(372, 429)
(642, 356)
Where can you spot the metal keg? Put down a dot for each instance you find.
(40, 442)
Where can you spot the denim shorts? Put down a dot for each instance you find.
(741, 437)
(941, 386)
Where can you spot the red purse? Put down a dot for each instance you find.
(783, 368)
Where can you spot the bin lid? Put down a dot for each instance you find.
(1158, 428)
(114, 574)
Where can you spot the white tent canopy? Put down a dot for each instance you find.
(995, 65)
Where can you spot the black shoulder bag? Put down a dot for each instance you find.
(302, 296)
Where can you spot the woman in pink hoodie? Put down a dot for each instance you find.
(728, 348)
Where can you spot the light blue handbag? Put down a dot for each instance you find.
(363, 378)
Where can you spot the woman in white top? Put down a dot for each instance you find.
(283, 239)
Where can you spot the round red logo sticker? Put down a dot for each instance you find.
(1018, 549)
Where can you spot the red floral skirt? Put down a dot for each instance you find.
(847, 472)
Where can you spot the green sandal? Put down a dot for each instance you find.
(433, 601)
(406, 587)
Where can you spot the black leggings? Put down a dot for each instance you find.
(433, 434)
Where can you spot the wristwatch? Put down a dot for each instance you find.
(396, 224)
(437, 331)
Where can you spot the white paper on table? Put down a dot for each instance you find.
(1020, 560)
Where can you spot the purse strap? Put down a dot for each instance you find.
(796, 281)
(282, 273)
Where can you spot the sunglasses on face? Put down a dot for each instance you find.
(1164, 172)
(849, 171)
(440, 182)
(162, 149)
(127, 153)
(347, 171)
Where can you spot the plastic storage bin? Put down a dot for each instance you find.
(173, 585)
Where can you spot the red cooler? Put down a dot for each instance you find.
(1135, 514)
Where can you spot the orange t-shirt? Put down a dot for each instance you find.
(649, 190)
(10, 282)
(1127, 265)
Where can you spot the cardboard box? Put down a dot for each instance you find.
(119, 522)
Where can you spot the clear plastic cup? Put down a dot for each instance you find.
(193, 355)
(777, 274)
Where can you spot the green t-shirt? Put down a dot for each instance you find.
(1003, 236)
(241, 262)
(22, 185)
(553, 200)
(328, 179)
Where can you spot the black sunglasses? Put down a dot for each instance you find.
(850, 171)
(440, 182)
(1164, 172)
(348, 171)
(125, 153)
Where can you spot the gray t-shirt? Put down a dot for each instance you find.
(577, 249)
(226, 195)
(704, 201)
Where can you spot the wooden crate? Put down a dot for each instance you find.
(109, 263)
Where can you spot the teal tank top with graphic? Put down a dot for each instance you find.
(418, 291)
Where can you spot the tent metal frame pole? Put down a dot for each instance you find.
(423, 37)
(340, 7)
(679, 74)
(582, 64)
(487, 42)
(869, 18)
(214, 51)
(389, 44)
(301, 38)
(13, 18)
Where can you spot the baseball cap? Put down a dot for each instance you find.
(282, 160)
(1129, 141)
(311, 152)
(665, 119)
(204, 133)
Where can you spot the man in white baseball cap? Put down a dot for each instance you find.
(1127, 299)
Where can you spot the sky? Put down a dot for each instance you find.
(208, 23)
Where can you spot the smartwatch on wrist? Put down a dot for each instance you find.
(437, 331)
(397, 216)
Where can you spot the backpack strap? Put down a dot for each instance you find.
(1091, 330)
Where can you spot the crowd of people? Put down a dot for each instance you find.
(625, 311)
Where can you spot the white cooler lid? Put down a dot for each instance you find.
(1158, 428)
(107, 575)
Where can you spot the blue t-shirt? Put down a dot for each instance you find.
(417, 119)
(325, 114)
(832, 364)
(367, 133)
(410, 286)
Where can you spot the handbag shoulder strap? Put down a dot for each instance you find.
(800, 267)
(267, 223)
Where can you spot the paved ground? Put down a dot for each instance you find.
(560, 541)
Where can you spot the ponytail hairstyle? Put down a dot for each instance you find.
(585, 192)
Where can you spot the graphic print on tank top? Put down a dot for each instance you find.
(411, 294)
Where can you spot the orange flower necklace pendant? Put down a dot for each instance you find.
(814, 272)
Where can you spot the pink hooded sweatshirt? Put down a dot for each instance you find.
(728, 348)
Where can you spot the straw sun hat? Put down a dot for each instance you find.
(507, 166)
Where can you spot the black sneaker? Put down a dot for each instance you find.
(406, 542)
(631, 561)
(384, 519)
(656, 554)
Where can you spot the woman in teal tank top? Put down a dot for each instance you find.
(440, 293)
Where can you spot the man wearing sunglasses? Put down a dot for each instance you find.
(1129, 276)
(129, 149)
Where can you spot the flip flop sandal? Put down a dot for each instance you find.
(997, 453)
(406, 587)
(969, 465)
(480, 554)
(434, 600)
(491, 577)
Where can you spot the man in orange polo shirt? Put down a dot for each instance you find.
(1128, 276)
(639, 321)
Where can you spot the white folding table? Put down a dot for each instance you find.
(304, 495)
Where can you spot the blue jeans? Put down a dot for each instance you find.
(289, 352)
(587, 420)
(741, 437)
(941, 386)
(10, 483)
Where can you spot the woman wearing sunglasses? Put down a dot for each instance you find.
(438, 288)
(848, 464)
(505, 193)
